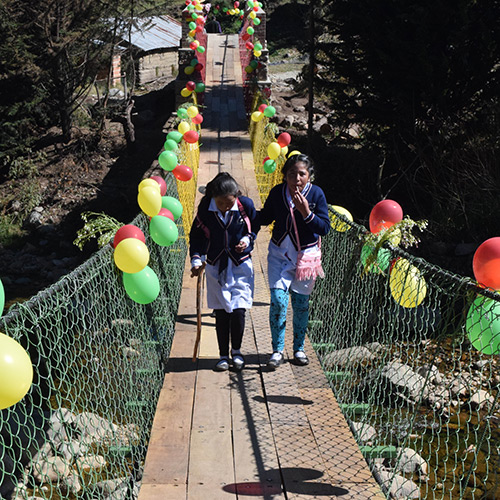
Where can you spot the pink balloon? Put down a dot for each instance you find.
(486, 263)
(182, 172)
(128, 231)
(191, 136)
(191, 86)
(161, 182)
(197, 119)
(262, 107)
(385, 214)
(165, 212)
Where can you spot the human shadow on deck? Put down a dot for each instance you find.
(285, 400)
(296, 481)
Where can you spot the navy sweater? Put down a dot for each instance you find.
(211, 237)
(276, 208)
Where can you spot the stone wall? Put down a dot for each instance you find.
(156, 65)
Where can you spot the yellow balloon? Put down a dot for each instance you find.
(408, 288)
(131, 255)
(185, 92)
(192, 111)
(293, 153)
(257, 53)
(257, 116)
(273, 150)
(183, 127)
(284, 150)
(16, 372)
(252, 15)
(149, 199)
(192, 33)
(188, 70)
(149, 183)
(338, 224)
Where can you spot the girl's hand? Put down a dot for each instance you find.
(301, 203)
(240, 246)
(195, 271)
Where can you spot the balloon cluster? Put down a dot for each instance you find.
(16, 370)
(131, 255)
(251, 44)
(191, 87)
(483, 317)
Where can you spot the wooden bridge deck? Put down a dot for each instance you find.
(256, 433)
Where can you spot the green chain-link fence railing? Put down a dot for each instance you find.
(396, 343)
(82, 430)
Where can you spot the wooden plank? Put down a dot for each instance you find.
(163, 491)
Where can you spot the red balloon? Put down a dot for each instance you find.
(191, 86)
(486, 263)
(165, 212)
(284, 139)
(385, 214)
(191, 136)
(198, 67)
(193, 45)
(262, 107)
(182, 172)
(265, 159)
(245, 36)
(249, 45)
(197, 119)
(199, 28)
(128, 231)
(200, 20)
(161, 182)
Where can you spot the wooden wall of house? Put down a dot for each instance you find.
(153, 66)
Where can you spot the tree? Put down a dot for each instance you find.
(420, 79)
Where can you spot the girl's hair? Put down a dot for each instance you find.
(223, 184)
(296, 159)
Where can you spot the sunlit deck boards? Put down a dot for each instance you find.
(256, 434)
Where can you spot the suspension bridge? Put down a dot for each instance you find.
(395, 402)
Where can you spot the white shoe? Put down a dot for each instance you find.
(275, 360)
(238, 362)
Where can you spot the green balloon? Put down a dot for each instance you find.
(182, 113)
(194, 62)
(167, 160)
(175, 136)
(170, 145)
(270, 111)
(254, 64)
(250, 30)
(2, 298)
(142, 287)
(256, 21)
(172, 204)
(200, 49)
(257, 46)
(192, 25)
(483, 325)
(269, 166)
(163, 230)
(200, 87)
(380, 264)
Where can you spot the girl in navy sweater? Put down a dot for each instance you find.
(222, 234)
(310, 211)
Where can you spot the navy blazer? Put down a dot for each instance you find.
(277, 209)
(211, 237)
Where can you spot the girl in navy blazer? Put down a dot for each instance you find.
(223, 234)
(311, 215)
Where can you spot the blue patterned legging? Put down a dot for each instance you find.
(277, 318)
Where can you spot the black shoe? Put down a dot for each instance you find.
(275, 360)
(300, 359)
(238, 362)
(222, 365)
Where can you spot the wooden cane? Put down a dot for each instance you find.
(199, 290)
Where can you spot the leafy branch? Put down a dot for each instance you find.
(399, 234)
(97, 225)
